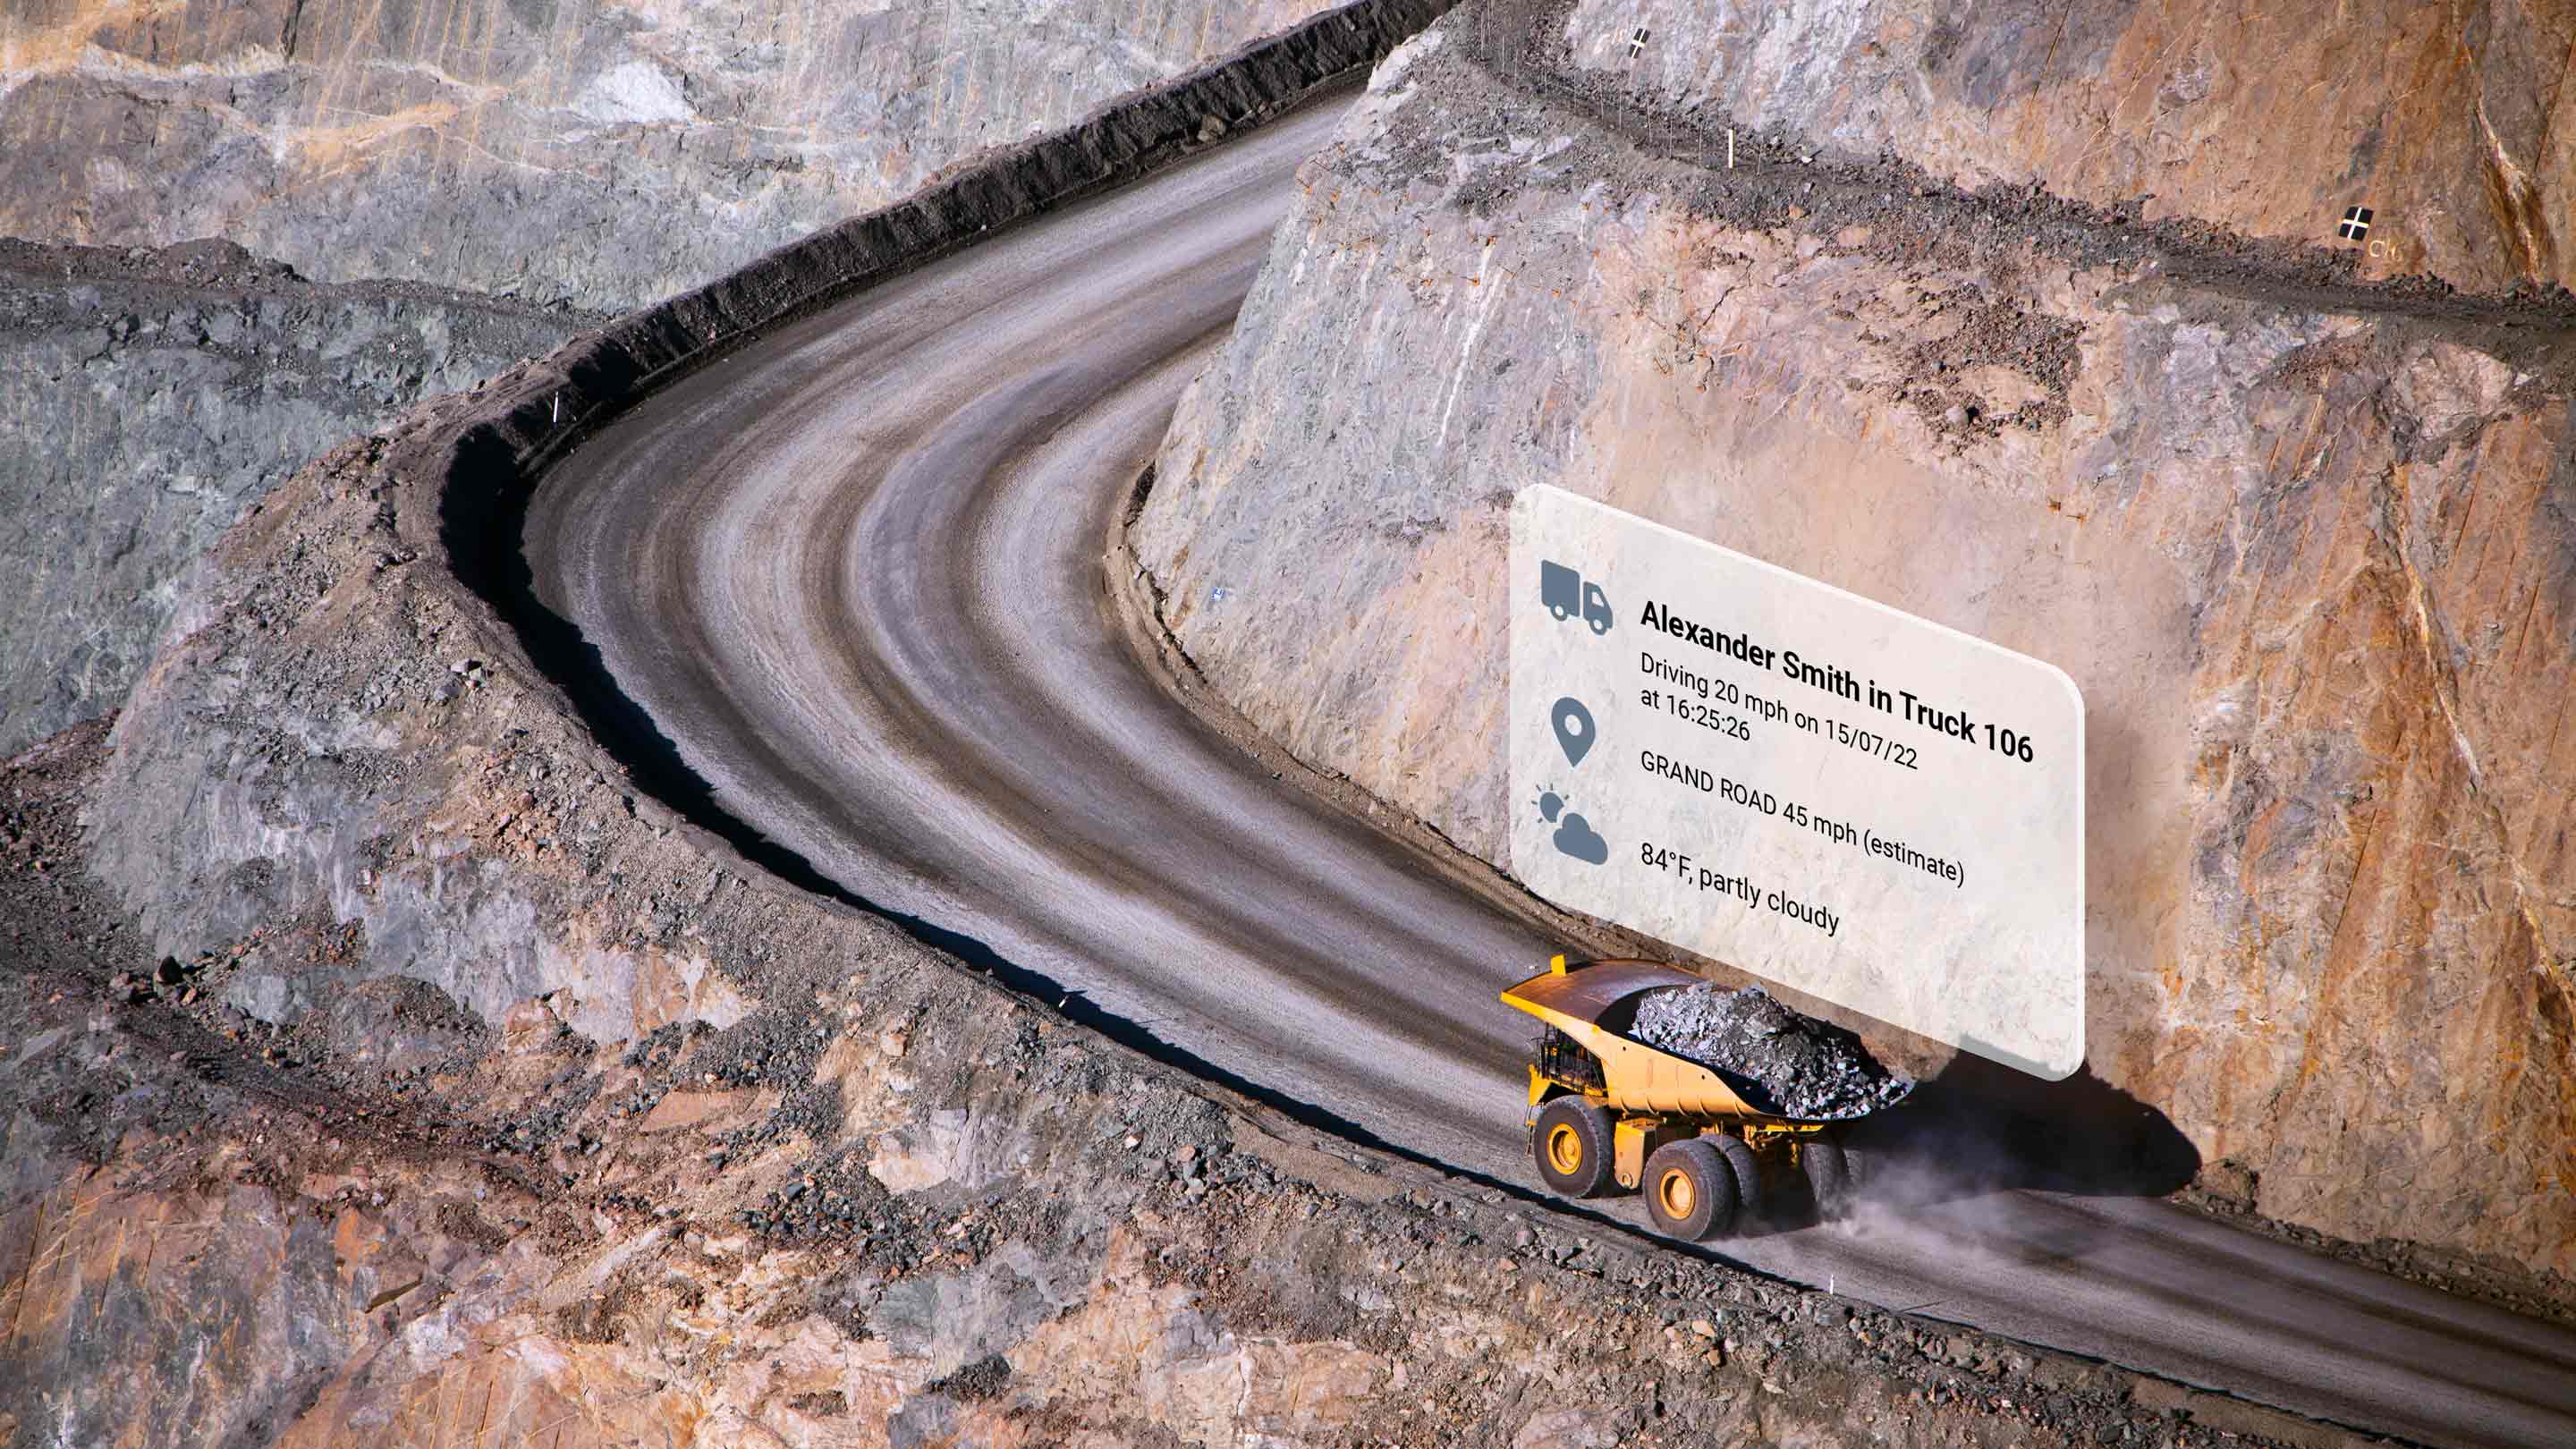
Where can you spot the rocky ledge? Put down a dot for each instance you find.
(601, 155)
(148, 396)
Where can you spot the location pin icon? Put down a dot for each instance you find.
(1573, 728)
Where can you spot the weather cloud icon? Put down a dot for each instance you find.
(1576, 837)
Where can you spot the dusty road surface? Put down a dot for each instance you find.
(852, 578)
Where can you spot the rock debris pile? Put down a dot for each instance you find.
(1807, 1069)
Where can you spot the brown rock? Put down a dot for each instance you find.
(691, 1109)
(2453, 123)
(530, 1026)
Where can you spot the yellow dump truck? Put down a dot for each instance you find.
(1608, 1112)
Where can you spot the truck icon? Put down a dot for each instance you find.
(1566, 594)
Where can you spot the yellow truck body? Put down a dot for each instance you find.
(1652, 1097)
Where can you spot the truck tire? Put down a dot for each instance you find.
(1571, 1142)
(1828, 1177)
(1741, 1162)
(1690, 1189)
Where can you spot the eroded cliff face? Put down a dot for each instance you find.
(2305, 545)
(605, 153)
(148, 397)
(559, 159)
(2453, 123)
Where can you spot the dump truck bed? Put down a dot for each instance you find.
(1590, 1004)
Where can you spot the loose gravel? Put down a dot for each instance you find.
(1804, 1067)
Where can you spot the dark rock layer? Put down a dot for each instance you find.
(148, 397)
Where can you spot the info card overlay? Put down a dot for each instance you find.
(1804, 784)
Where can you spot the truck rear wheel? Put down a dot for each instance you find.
(1745, 1167)
(1571, 1143)
(1828, 1177)
(1690, 1189)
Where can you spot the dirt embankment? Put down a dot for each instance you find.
(2296, 531)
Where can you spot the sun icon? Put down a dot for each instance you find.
(1549, 803)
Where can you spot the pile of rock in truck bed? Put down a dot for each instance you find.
(1806, 1068)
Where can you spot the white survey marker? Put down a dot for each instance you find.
(1805, 784)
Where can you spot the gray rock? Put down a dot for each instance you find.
(603, 156)
(1802, 1067)
(399, 1024)
(594, 161)
(148, 398)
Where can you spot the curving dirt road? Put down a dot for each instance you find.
(853, 575)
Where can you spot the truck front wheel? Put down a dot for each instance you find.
(1571, 1143)
(1690, 1190)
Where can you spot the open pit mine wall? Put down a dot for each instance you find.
(604, 153)
(143, 407)
(2451, 122)
(343, 766)
(2306, 544)
(564, 160)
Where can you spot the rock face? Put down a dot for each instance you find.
(2451, 122)
(2301, 538)
(563, 160)
(604, 153)
(146, 398)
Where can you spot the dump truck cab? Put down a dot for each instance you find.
(1609, 1113)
